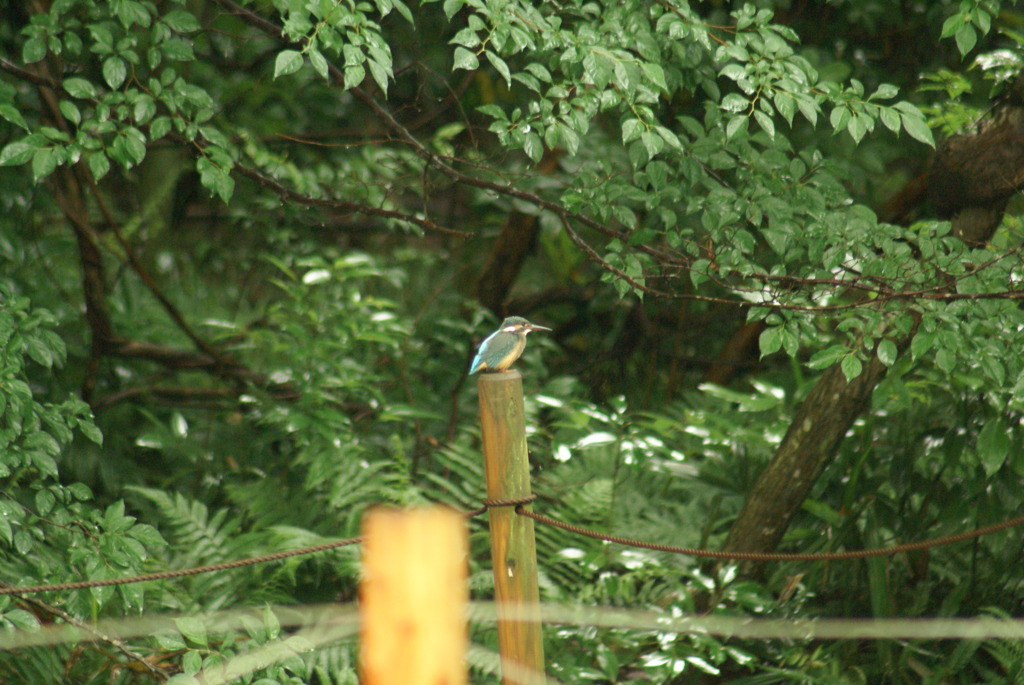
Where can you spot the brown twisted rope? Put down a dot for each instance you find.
(251, 561)
(491, 503)
(519, 504)
(776, 556)
(178, 573)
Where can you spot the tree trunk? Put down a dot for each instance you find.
(820, 423)
(513, 244)
(738, 350)
(971, 179)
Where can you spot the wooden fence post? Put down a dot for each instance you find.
(513, 548)
(413, 597)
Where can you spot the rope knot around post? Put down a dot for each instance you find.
(508, 502)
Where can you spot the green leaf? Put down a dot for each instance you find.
(193, 629)
(966, 38)
(130, 12)
(631, 130)
(891, 119)
(134, 145)
(114, 71)
(570, 138)
(808, 107)
(13, 115)
(45, 464)
(79, 88)
(765, 122)
(44, 161)
(499, 65)
(657, 173)
(91, 431)
(452, 6)
(668, 137)
(23, 620)
(791, 339)
(736, 125)
(655, 74)
(951, 25)
(271, 624)
(215, 179)
(181, 21)
(170, 642)
(148, 536)
(99, 165)
(983, 20)
(464, 59)
(114, 520)
(533, 146)
(945, 359)
(354, 75)
(733, 102)
(36, 349)
(466, 37)
(993, 445)
(733, 71)
(770, 341)
(993, 368)
(70, 111)
(915, 125)
(379, 73)
(319, 63)
(598, 68)
(80, 492)
(287, 62)
(786, 104)
(191, 662)
(404, 11)
(17, 153)
(827, 357)
(887, 351)
(839, 117)
(652, 142)
(885, 91)
(33, 50)
(44, 502)
(857, 127)
(539, 71)
(851, 366)
(922, 342)
(159, 128)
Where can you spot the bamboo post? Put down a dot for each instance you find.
(513, 548)
(413, 597)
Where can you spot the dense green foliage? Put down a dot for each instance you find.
(243, 249)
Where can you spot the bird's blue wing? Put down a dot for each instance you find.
(478, 360)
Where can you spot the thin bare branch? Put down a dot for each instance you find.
(311, 201)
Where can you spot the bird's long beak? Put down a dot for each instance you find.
(535, 327)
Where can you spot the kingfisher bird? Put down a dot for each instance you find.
(502, 347)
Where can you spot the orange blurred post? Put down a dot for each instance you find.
(513, 548)
(413, 597)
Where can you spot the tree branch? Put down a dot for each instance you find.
(280, 190)
(116, 642)
(433, 160)
(26, 75)
(147, 280)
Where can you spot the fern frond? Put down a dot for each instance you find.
(334, 665)
(203, 538)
